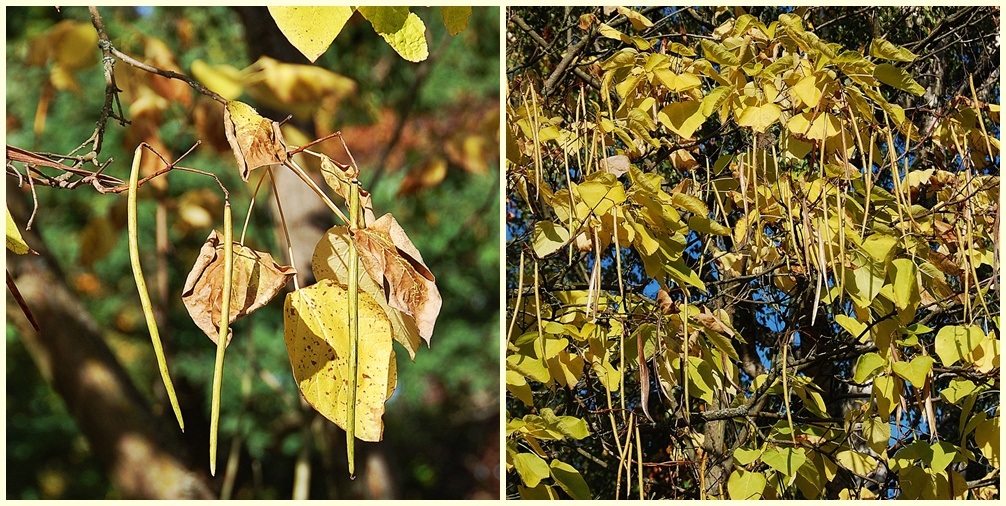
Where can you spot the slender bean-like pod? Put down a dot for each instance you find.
(141, 286)
(354, 325)
(225, 319)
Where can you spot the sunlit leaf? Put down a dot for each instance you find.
(953, 342)
(401, 29)
(881, 48)
(745, 485)
(785, 460)
(760, 117)
(914, 371)
(867, 365)
(531, 468)
(224, 80)
(14, 241)
(548, 238)
(311, 29)
(316, 331)
(859, 463)
(330, 262)
(682, 118)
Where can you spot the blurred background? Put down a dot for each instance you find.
(426, 139)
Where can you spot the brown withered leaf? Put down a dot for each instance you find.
(394, 262)
(330, 261)
(667, 306)
(338, 178)
(256, 141)
(257, 278)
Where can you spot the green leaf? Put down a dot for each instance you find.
(745, 456)
(867, 365)
(548, 238)
(785, 460)
(311, 29)
(942, 455)
(700, 379)
(531, 468)
(898, 78)
(903, 276)
(914, 371)
(881, 48)
(401, 29)
(854, 327)
(542, 492)
(883, 390)
(864, 283)
(682, 118)
(455, 18)
(14, 241)
(958, 389)
(877, 432)
(570, 480)
(745, 485)
(953, 342)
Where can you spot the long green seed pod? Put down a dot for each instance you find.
(225, 314)
(354, 324)
(141, 285)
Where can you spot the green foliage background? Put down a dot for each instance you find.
(444, 400)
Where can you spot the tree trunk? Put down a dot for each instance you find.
(138, 451)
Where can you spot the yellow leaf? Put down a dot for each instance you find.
(987, 437)
(224, 80)
(75, 45)
(759, 118)
(401, 29)
(859, 463)
(316, 331)
(329, 262)
(311, 29)
(455, 18)
(683, 118)
(548, 238)
(824, 125)
(807, 91)
(299, 89)
(14, 241)
(255, 141)
(639, 22)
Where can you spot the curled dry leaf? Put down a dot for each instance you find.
(329, 262)
(256, 280)
(339, 178)
(667, 306)
(617, 165)
(393, 261)
(316, 331)
(256, 141)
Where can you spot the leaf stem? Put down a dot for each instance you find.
(225, 313)
(141, 285)
(354, 324)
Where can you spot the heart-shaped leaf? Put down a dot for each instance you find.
(316, 331)
(256, 279)
(311, 29)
